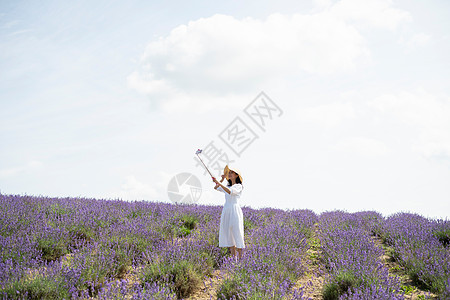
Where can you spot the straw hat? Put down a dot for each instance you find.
(234, 169)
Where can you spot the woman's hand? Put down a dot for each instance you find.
(223, 177)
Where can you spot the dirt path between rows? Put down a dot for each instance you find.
(414, 293)
(210, 286)
(313, 280)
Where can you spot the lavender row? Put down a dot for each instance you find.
(421, 246)
(78, 248)
(74, 248)
(273, 260)
(352, 258)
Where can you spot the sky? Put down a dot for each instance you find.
(111, 100)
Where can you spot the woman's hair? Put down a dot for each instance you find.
(238, 180)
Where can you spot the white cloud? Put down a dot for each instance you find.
(378, 14)
(416, 40)
(420, 39)
(323, 3)
(9, 24)
(13, 171)
(327, 115)
(134, 189)
(223, 48)
(219, 54)
(362, 146)
(427, 113)
(19, 32)
(173, 101)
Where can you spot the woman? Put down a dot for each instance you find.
(231, 233)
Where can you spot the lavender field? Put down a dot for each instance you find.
(72, 248)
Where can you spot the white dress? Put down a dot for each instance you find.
(231, 231)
